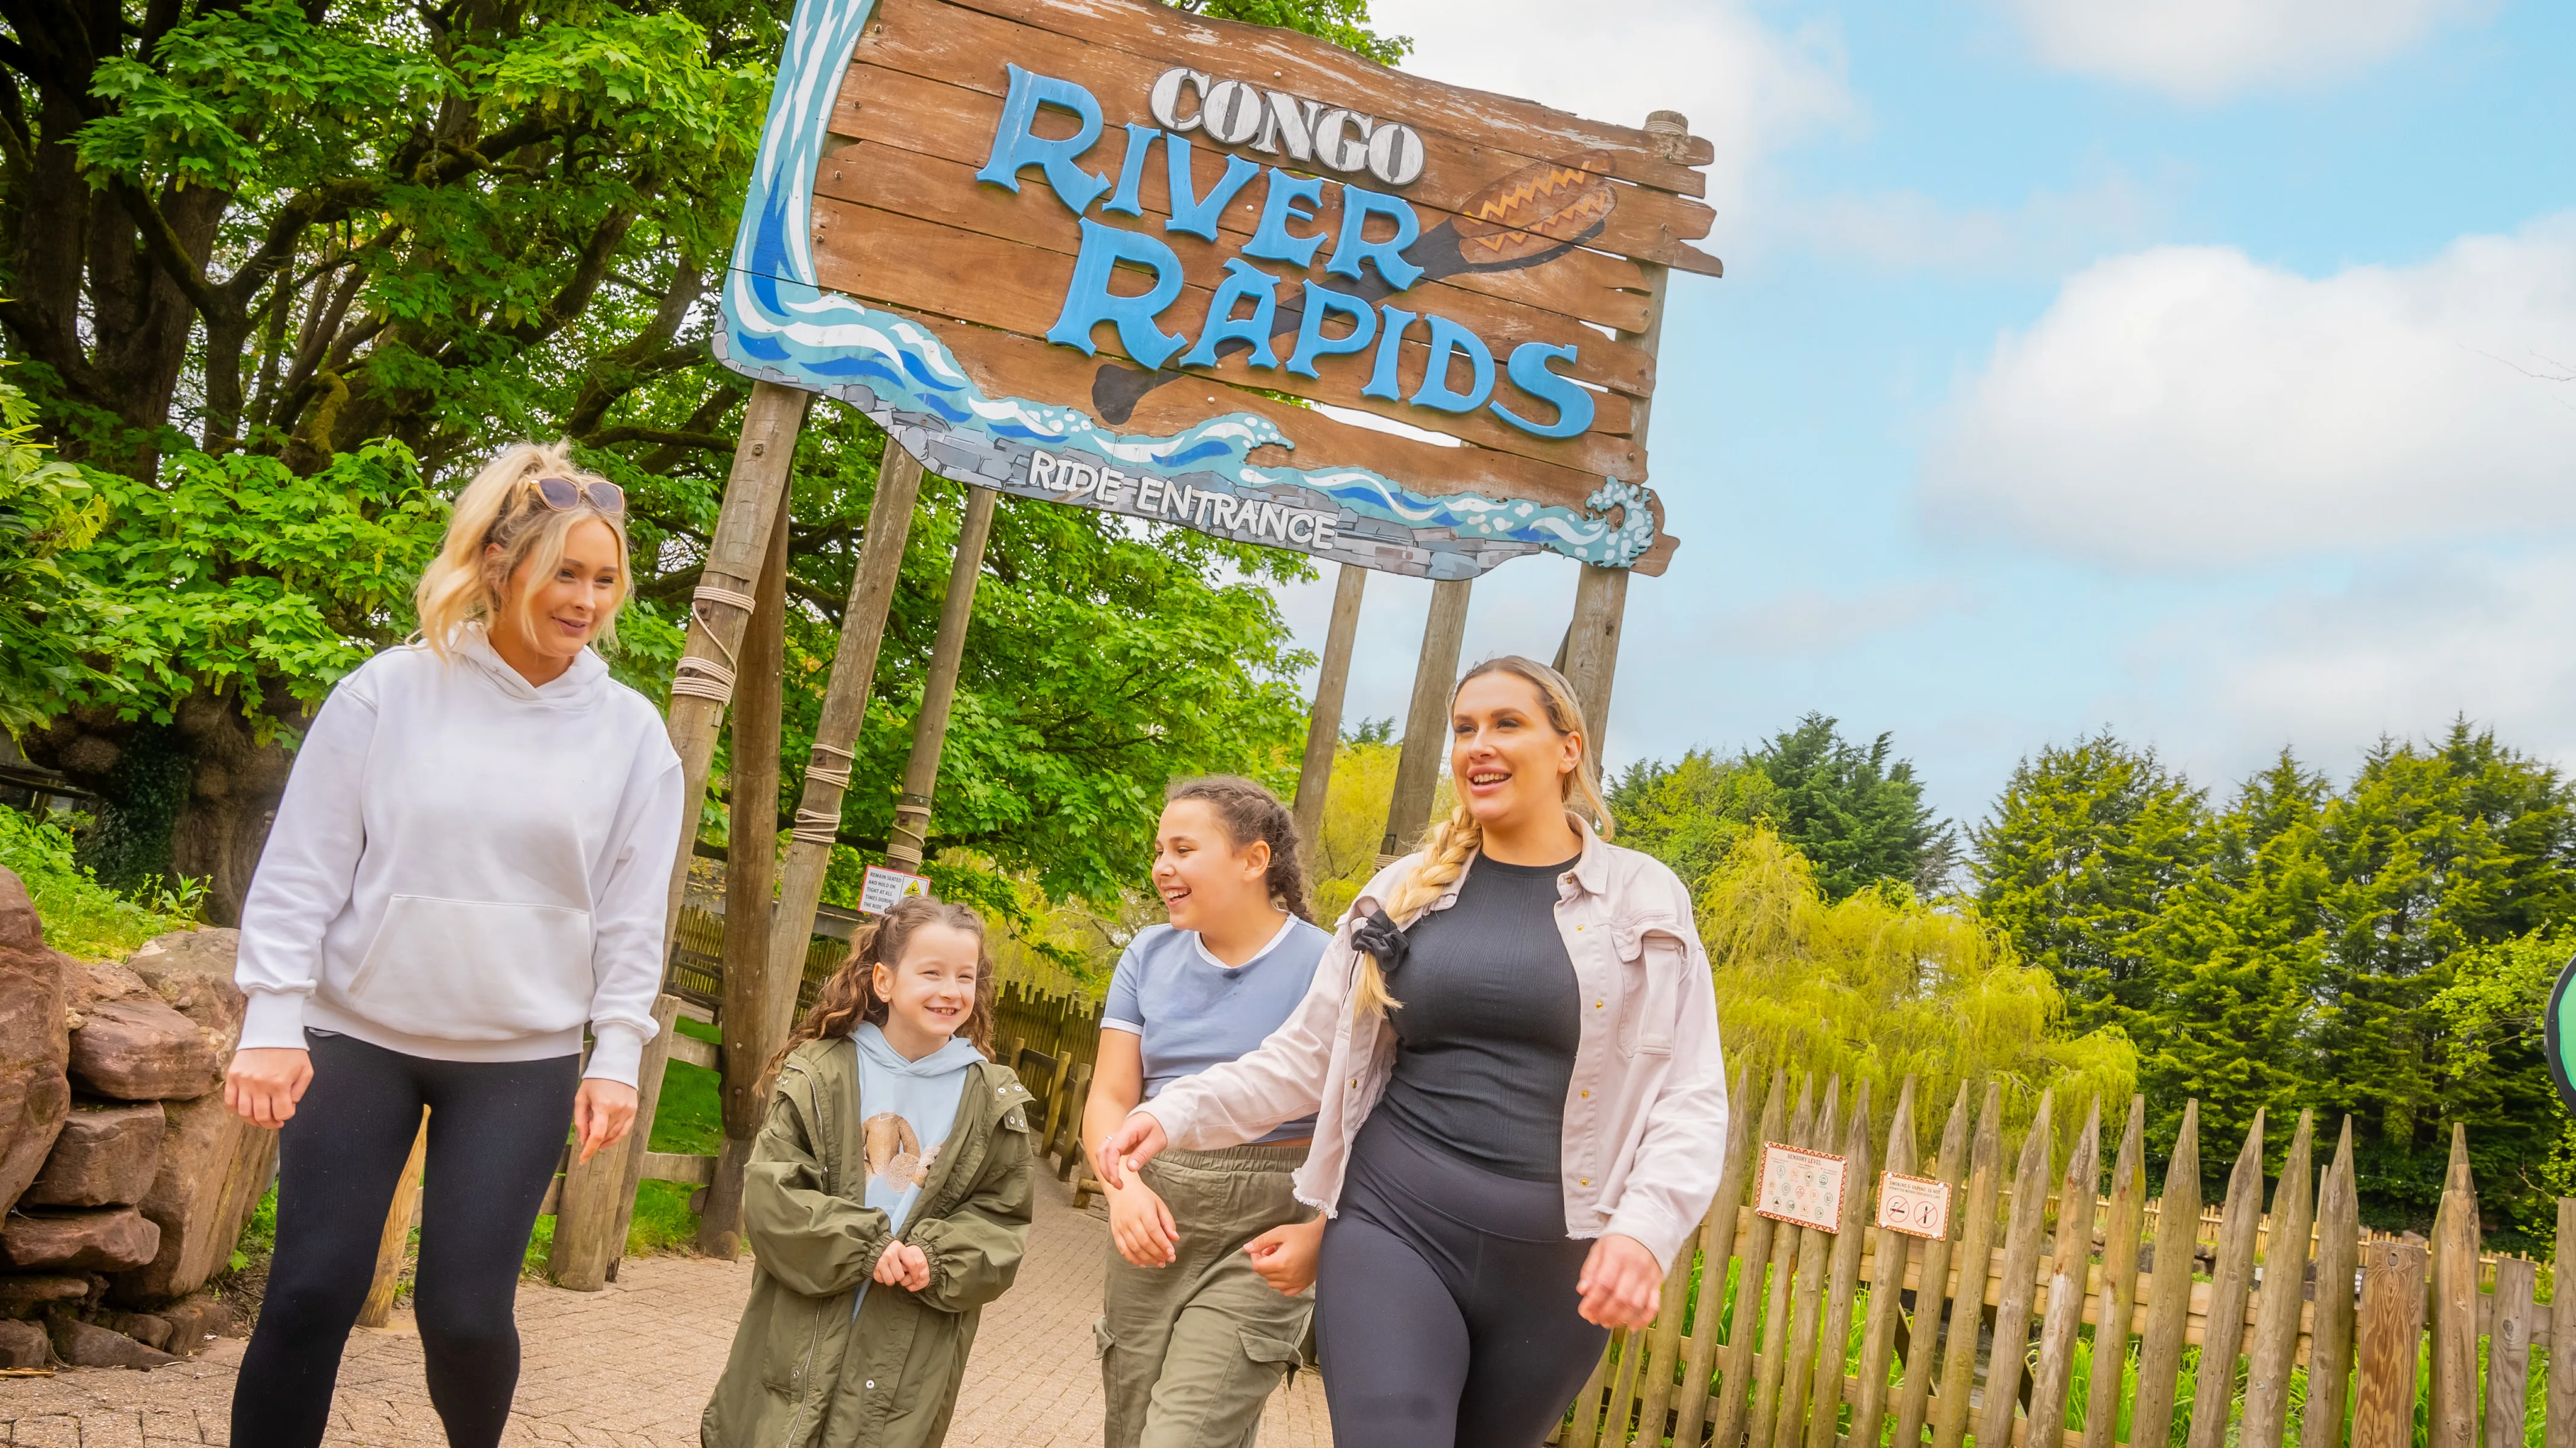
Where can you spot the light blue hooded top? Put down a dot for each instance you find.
(910, 1108)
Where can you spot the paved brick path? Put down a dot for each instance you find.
(631, 1367)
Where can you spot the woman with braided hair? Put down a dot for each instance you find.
(1511, 1052)
(1199, 1325)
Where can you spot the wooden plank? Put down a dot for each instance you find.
(1067, 1143)
(907, 183)
(2392, 1335)
(685, 1168)
(393, 1244)
(2005, 1361)
(1825, 1396)
(1721, 1239)
(2454, 1418)
(648, 1102)
(1967, 1306)
(1776, 1304)
(2229, 1279)
(1807, 1301)
(933, 118)
(1586, 1431)
(958, 47)
(1278, 58)
(689, 1050)
(1887, 1279)
(2330, 1346)
(2509, 1352)
(2068, 1259)
(1655, 1389)
(2169, 1290)
(2117, 1301)
(2561, 1424)
(1754, 1241)
(2276, 1312)
(901, 260)
(1922, 1349)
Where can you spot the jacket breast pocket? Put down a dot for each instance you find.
(1652, 957)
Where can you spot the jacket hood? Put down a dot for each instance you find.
(575, 687)
(957, 1055)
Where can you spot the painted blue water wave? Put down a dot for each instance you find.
(779, 325)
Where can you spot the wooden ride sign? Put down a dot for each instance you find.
(1079, 250)
(1801, 1187)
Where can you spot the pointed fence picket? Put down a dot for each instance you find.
(2030, 1313)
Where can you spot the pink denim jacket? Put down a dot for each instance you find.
(1645, 1115)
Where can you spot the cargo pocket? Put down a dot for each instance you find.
(1652, 957)
(1101, 1338)
(1267, 1351)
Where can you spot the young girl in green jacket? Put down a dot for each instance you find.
(887, 1200)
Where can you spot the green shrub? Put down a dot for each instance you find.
(82, 917)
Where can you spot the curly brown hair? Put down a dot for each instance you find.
(850, 996)
(1251, 813)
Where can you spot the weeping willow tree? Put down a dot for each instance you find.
(1881, 985)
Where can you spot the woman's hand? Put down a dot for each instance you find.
(903, 1265)
(1285, 1256)
(602, 1114)
(265, 1082)
(1142, 1225)
(1622, 1285)
(1138, 1140)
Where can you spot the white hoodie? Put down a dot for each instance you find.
(468, 867)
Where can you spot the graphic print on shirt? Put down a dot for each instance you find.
(894, 1152)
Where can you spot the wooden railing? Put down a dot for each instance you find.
(1786, 1336)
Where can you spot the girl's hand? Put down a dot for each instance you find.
(1138, 1140)
(602, 1113)
(264, 1083)
(1285, 1256)
(903, 1265)
(1621, 1283)
(1141, 1225)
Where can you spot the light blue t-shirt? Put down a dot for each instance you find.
(910, 1106)
(1194, 1011)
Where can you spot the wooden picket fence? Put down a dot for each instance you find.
(2090, 1326)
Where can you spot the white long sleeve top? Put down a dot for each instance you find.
(467, 866)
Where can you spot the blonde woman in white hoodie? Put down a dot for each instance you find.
(469, 867)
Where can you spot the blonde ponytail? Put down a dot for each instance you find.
(464, 585)
(1445, 850)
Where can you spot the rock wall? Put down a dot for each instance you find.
(124, 1179)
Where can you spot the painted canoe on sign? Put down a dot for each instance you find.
(1062, 248)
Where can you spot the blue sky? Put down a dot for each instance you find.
(2205, 370)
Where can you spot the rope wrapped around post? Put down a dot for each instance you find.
(705, 678)
(818, 827)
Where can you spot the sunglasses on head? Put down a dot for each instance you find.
(565, 494)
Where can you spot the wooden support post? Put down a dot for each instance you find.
(911, 834)
(1591, 647)
(2560, 1422)
(2454, 1419)
(1324, 721)
(599, 1195)
(1426, 724)
(395, 1244)
(751, 880)
(703, 679)
(836, 727)
(2392, 1337)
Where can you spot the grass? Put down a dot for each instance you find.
(83, 918)
(689, 1118)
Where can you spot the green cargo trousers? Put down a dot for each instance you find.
(1189, 1353)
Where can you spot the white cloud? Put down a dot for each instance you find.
(1807, 621)
(2205, 50)
(1910, 231)
(1745, 86)
(2187, 406)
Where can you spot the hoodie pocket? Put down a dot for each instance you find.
(475, 970)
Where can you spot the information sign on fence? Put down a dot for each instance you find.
(883, 887)
(1074, 249)
(1916, 1206)
(1801, 1187)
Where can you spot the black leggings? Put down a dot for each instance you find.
(495, 1131)
(1445, 1302)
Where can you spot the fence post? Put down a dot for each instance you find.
(1735, 1389)
(2068, 1259)
(1824, 1399)
(2119, 1298)
(1922, 1345)
(2509, 1352)
(1767, 1375)
(2392, 1334)
(1887, 1280)
(2285, 1272)
(1807, 1299)
(395, 1244)
(2561, 1424)
(2455, 1303)
(2021, 1264)
(2223, 1330)
(1968, 1308)
(2330, 1343)
(2169, 1290)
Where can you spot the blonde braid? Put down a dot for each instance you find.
(1444, 855)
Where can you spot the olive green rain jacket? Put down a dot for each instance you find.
(803, 1373)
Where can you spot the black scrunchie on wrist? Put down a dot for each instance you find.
(1381, 937)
